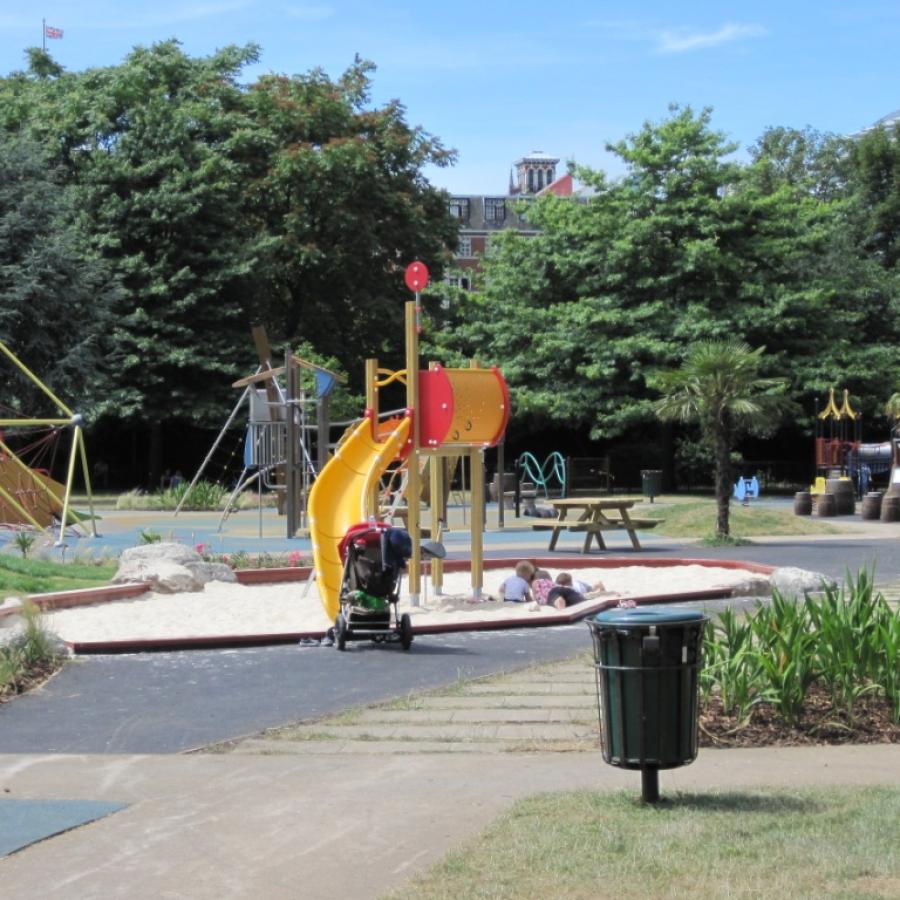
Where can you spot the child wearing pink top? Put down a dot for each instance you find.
(541, 585)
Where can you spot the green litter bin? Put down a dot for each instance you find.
(647, 666)
(651, 483)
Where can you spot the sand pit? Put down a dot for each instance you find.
(222, 610)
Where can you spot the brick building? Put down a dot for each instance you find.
(481, 216)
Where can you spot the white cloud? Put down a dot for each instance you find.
(683, 40)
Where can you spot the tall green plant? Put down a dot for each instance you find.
(847, 645)
(732, 666)
(785, 653)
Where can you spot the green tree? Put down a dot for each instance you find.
(875, 158)
(53, 290)
(338, 193)
(719, 386)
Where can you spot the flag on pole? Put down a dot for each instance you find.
(55, 34)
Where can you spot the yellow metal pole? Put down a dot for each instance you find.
(70, 477)
(51, 497)
(12, 423)
(413, 487)
(87, 481)
(20, 509)
(28, 373)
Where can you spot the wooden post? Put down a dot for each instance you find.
(372, 404)
(413, 487)
(437, 499)
(476, 458)
(501, 484)
(263, 352)
(290, 456)
(476, 479)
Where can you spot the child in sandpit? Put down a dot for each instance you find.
(568, 591)
(517, 588)
(541, 585)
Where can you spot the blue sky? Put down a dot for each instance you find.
(496, 80)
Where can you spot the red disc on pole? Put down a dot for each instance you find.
(416, 276)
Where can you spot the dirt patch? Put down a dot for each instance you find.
(819, 724)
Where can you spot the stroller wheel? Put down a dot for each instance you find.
(340, 632)
(406, 632)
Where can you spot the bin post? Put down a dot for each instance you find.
(649, 784)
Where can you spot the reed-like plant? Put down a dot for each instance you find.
(785, 652)
(847, 645)
(732, 665)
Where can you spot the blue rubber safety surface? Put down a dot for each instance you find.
(24, 822)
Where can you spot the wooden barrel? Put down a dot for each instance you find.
(890, 509)
(844, 495)
(826, 505)
(803, 503)
(870, 508)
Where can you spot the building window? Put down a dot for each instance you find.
(459, 281)
(465, 247)
(494, 209)
(549, 176)
(459, 208)
(531, 181)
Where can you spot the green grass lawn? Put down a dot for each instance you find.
(696, 518)
(834, 842)
(19, 577)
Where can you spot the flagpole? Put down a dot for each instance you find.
(44, 35)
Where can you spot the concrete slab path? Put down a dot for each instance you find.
(314, 826)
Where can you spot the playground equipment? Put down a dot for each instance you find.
(278, 440)
(840, 452)
(449, 412)
(838, 432)
(28, 495)
(542, 474)
(746, 489)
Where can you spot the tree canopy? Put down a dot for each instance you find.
(690, 246)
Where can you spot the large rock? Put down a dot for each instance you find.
(169, 568)
(753, 585)
(793, 582)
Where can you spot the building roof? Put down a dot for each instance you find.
(564, 186)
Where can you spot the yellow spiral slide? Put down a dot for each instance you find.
(338, 500)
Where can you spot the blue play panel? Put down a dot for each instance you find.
(24, 822)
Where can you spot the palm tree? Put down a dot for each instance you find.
(719, 386)
(892, 407)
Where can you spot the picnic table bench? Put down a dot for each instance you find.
(597, 514)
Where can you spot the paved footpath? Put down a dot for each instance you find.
(353, 805)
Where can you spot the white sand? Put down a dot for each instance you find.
(232, 609)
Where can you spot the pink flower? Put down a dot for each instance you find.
(200, 548)
(294, 558)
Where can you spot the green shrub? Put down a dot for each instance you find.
(847, 640)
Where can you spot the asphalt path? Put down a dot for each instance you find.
(172, 702)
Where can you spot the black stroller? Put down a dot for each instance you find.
(375, 556)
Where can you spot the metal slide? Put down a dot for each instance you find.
(338, 500)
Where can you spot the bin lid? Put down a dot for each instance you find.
(647, 617)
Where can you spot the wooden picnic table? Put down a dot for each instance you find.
(596, 515)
